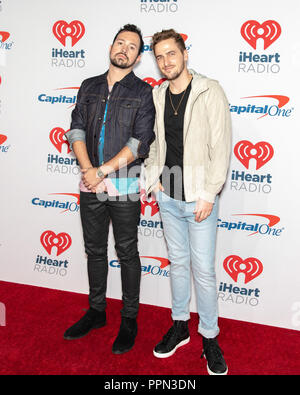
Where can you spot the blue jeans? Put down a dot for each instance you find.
(191, 247)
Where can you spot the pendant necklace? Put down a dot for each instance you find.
(176, 109)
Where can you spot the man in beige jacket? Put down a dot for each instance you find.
(186, 169)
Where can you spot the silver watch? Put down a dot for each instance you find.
(100, 173)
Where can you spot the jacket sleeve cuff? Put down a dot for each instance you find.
(75, 135)
(133, 144)
(207, 196)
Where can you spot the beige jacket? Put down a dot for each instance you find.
(207, 140)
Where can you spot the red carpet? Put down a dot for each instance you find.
(36, 318)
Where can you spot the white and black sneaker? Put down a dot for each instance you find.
(216, 364)
(177, 336)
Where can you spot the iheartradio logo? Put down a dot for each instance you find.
(145, 203)
(250, 267)
(262, 152)
(75, 30)
(269, 31)
(58, 139)
(61, 241)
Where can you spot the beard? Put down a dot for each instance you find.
(122, 63)
(176, 74)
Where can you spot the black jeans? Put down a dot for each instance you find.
(95, 218)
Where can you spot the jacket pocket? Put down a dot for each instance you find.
(126, 111)
(90, 103)
(89, 99)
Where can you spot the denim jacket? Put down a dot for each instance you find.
(129, 119)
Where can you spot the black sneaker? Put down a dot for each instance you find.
(93, 319)
(126, 336)
(216, 364)
(177, 336)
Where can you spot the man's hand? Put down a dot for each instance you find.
(90, 178)
(203, 210)
(100, 188)
(158, 187)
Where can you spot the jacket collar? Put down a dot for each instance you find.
(199, 85)
(128, 81)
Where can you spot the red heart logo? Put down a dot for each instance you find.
(250, 267)
(2, 139)
(269, 31)
(62, 30)
(62, 241)
(153, 82)
(262, 152)
(57, 138)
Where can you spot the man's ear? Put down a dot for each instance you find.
(138, 59)
(185, 55)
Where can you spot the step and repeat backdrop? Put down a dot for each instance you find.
(48, 48)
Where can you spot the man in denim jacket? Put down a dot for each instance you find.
(111, 132)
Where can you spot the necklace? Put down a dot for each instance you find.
(176, 109)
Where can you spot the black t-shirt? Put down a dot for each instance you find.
(172, 176)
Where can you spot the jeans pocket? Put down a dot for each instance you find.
(158, 195)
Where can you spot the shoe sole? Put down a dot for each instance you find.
(216, 374)
(211, 373)
(80, 337)
(118, 352)
(169, 354)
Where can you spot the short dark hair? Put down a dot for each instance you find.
(167, 34)
(133, 29)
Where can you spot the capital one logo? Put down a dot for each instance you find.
(61, 241)
(148, 46)
(272, 110)
(269, 31)
(75, 30)
(250, 267)
(3, 138)
(163, 263)
(262, 152)
(150, 268)
(4, 43)
(3, 148)
(58, 139)
(4, 36)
